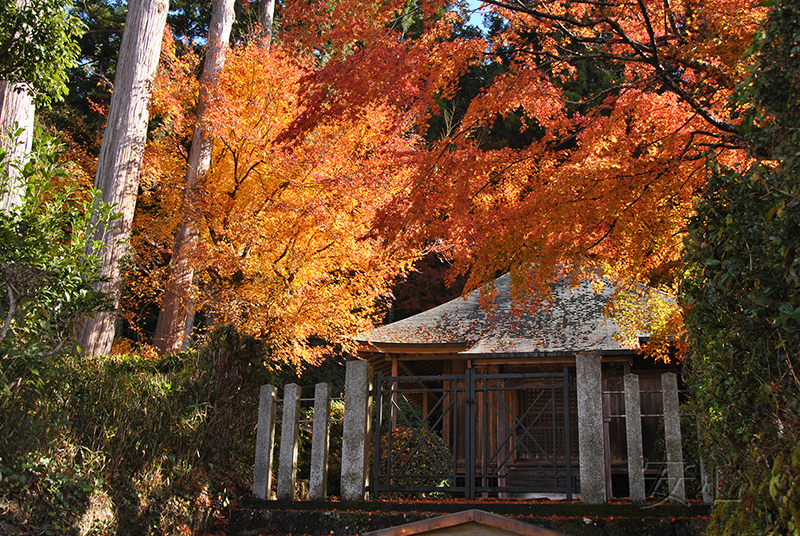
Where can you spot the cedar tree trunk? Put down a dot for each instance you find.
(266, 12)
(176, 316)
(16, 111)
(119, 165)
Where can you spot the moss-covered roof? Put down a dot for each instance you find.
(571, 320)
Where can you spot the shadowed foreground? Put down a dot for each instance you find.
(279, 518)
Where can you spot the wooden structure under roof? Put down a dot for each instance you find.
(503, 337)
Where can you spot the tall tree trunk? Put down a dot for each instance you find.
(119, 165)
(16, 108)
(176, 316)
(266, 12)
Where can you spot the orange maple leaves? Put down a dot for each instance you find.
(321, 182)
(607, 183)
(288, 251)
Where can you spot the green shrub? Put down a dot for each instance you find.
(742, 295)
(134, 445)
(420, 458)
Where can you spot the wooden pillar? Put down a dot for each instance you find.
(425, 407)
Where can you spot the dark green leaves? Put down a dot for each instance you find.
(742, 292)
(38, 44)
(47, 273)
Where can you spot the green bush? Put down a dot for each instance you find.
(134, 445)
(420, 458)
(48, 267)
(742, 295)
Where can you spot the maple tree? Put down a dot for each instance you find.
(176, 315)
(287, 249)
(606, 182)
(603, 183)
(550, 168)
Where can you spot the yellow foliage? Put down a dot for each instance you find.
(288, 252)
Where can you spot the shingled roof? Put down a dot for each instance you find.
(571, 320)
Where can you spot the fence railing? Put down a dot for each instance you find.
(358, 466)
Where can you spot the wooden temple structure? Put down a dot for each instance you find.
(516, 347)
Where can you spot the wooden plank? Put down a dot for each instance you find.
(403, 348)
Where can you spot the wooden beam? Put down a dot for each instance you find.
(400, 348)
(470, 522)
(426, 357)
(556, 360)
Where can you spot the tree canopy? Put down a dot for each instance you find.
(288, 251)
(38, 45)
(742, 292)
(650, 141)
(583, 139)
(607, 180)
(567, 140)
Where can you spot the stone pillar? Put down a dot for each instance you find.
(672, 437)
(633, 426)
(320, 440)
(290, 431)
(705, 478)
(355, 433)
(590, 428)
(265, 440)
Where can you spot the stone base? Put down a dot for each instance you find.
(279, 518)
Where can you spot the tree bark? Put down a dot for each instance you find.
(176, 317)
(266, 12)
(16, 108)
(119, 165)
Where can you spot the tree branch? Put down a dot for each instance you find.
(12, 308)
(647, 53)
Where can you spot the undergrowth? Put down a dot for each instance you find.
(128, 444)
